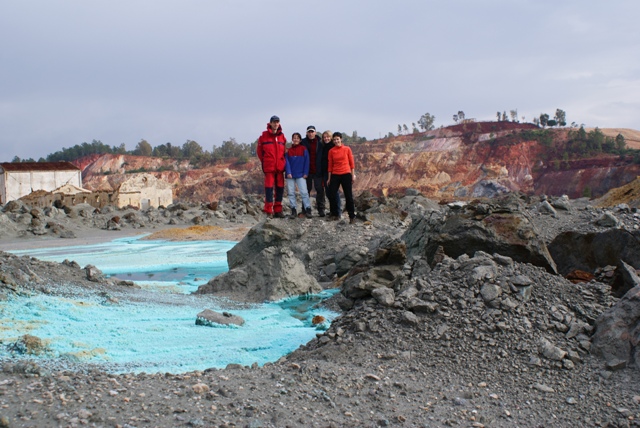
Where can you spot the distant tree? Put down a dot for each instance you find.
(620, 142)
(561, 117)
(514, 115)
(455, 118)
(120, 150)
(191, 149)
(544, 118)
(414, 129)
(143, 148)
(536, 121)
(399, 129)
(552, 122)
(595, 140)
(504, 116)
(161, 150)
(426, 122)
(582, 134)
(405, 128)
(460, 115)
(498, 115)
(42, 159)
(16, 159)
(78, 151)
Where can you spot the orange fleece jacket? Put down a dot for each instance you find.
(341, 160)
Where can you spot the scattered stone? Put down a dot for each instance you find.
(211, 318)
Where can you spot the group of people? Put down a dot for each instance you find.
(313, 162)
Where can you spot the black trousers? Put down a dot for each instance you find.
(314, 181)
(346, 181)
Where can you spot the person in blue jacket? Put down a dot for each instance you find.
(296, 172)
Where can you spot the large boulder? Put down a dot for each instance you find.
(587, 251)
(263, 235)
(273, 274)
(617, 332)
(494, 227)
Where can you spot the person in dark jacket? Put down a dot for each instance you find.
(313, 143)
(297, 171)
(271, 152)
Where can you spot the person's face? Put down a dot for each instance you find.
(337, 140)
(311, 134)
(326, 138)
(274, 126)
(295, 140)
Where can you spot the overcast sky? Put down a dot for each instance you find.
(207, 70)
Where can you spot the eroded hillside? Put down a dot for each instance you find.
(463, 161)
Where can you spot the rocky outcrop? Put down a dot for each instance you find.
(263, 235)
(496, 227)
(573, 250)
(273, 274)
(617, 332)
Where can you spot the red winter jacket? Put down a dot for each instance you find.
(271, 150)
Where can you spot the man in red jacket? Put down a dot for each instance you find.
(271, 150)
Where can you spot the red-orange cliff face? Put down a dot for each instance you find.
(463, 161)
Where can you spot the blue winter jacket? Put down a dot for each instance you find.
(297, 161)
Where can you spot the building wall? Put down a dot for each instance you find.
(16, 184)
(96, 199)
(3, 188)
(145, 198)
(144, 191)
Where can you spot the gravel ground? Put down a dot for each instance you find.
(463, 363)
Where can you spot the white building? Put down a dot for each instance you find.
(22, 178)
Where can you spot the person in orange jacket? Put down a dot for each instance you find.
(341, 172)
(271, 150)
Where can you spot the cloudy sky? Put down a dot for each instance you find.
(206, 70)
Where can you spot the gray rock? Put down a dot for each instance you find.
(212, 318)
(490, 292)
(617, 330)
(550, 351)
(409, 318)
(608, 220)
(384, 296)
(546, 208)
(505, 231)
(562, 203)
(274, 274)
(94, 274)
(360, 284)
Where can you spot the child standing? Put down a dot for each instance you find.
(297, 171)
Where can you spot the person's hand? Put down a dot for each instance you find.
(304, 176)
(289, 176)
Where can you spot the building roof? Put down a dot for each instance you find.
(38, 166)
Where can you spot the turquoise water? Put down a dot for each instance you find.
(157, 334)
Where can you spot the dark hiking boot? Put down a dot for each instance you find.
(294, 213)
(307, 212)
(278, 215)
(321, 213)
(352, 220)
